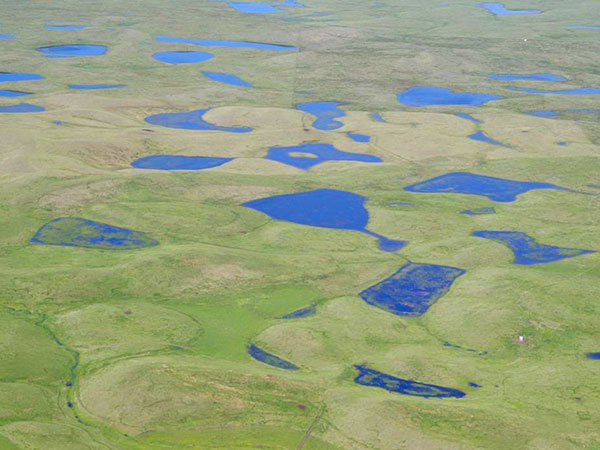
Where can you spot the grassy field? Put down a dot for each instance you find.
(147, 348)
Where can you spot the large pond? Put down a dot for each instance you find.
(74, 50)
(11, 93)
(192, 120)
(326, 114)
(431, 95)
(182, 57)
(307, 155)
(9, 77)
(229, 44)
(21, 108)
(178, 162)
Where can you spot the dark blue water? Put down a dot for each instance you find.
(363, 138)
(377, 117)
(192, 120)
(226, 78)
(178, 162)
(326, 113)
(467, 117)
(562, 143)
(10, 93)
(429, 95)
(413, 289)
(500, 9)
(475, 385)
(527, 251)
(270, 359)
(479, 211)
(496, 189)
(7, 76)
(593, 355)
(230, 44)
(6, 37)
(182, 57)
(70, 404)
(578, 91)
(65, 27)
(74, 50)
(481, 136)
(585, 27)
(527, 76)
(254, 8)
(69, 384)
(316, 153)
(374, 378)
(96, 86)
(324, 208)
(304, 312)
(21, 108)
(77, 232)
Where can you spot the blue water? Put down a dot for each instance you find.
(479, 211)
(496, 189)
(475, 385)
(527, 76)
(326, 113)
(542, 113)
(500, 9)
(413, 289)
(230, 44)
(178, 162)
(6, 37)
(359, 137)
(182, 57)
(316, 153)
(480, 136)
(374, 378)
(562, 143)
(377, 117)
(96, 86)
(555, 113)
(70, 404)
(254, 8)
(57, 122)
(401, 204)
(429, 95)
(69, 384)
(7, 76)
(10, 93)
(585, 27)
(226, 78)
(593, 355)
(270, 359)
(324, 208)
(77, 232)
(21, 108)
(65, 27)
(192, 120)
(527, 251)
(74, 50)
(467, 117)
(304, 312)
(292, 3)
(577, 91)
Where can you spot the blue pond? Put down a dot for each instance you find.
(496, 189)
(479, 211)
(374, 378)
(500, 9)
(585, 27)
(326, 113)
(527, 76)
(77, 232)
(69, 404)
(324, 208)
(542, 113)
(254, 8)
(178, 162)
(290, 3)
(413, 289)
(562, 143)
(467, 117)
(95, 86)
(192, 120)
(182, 57)
(226, 78)
(65, 27)
(429, 95)
(304, 312)
(527, 251)
(363, 138)
(377, 117)
(74, 50)
(593, 355)
(7, 76)
(10, 93)
(555, 113)
(21, 108)
(313, 154)
(474, 385)
(6, 37)
(577, 91)
(270, 359)
(230, 44)
(481, 136)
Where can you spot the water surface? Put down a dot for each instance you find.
(7, 37)
(363, 138)
(11, 93)
(182, 57)
(95, 86)
(377, 117)
(576, 91)
(65, 27)
(430, 95)
(226, 78)
(270, 359)
(304, 312)
(305, 156)
(468, 117)
(192, 120)
(229, 44)
(74, 50)
(254, 8)
(500, 9)
(479, 211)
(178, 162)
(593, 355)
(9, 76)
(481, 136)
(326, 113)
(21, 108)
(527, 76)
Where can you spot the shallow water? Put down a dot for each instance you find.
(9, 76)
(270, 359)
(326, 113)
(96, 86)
(78, 232)
(7, 37)
(555, 113)
(500, 9)
(192, 120)
(577, 91)
(468, 117)
(11, 93)
(254, 8)
(21, 108)
(363, 138)
(304, 312)
(323, 208)
(226, 78)
(593, 355)
(431, 95)
(316, 153)
(229, 44)
(479, 211)
(377, 117)
(413, 289)
(481, 136)
(527, 76)
(374, 378)
(178, 162)
(182, 57)
(474, 385)
(527, 251)
(65, 27)
(585, 27)
(74, 50)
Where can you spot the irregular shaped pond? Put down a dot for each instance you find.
(467, 117)
(304, 312)
(474, 385)
(496, 189)
(479, 211)
(21, 108)
(413, 289)
(377, 117)
(316, 153)
(192, 120)
(481, 136)
(374, 378)
(7, 76)
(230, 44)
(182, 57)
(7, 37)
(65, 27)
(74, 50)
(323, 208)
(326, 113)
(593, 355)
(178, 162)
(527, 76)
(430, 95)
(577, 91)
(555, 113)
(78, 232)
(270, 359)
(10, 93)
(527, 251)
(500, 9)
(254, 8)
(363, 138)
(226, 78)
(96, 86)
(542, 113)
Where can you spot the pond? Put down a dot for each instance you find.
(21, 108)
(192, 120)
(576, 91)
(500, 9)
(95, 86)
(178, 162)
(254, 8)
(363, 138)
(305, 156)
(65, 27)
(229, 44)
(226, 78)
(9, 77)
(527, 76)
(303, 312)
(74, 50)
(481, 136)
(326, 114)
(431, 95)
(270, 359)
(182, 57)
(484, 210)
(468, 117)
(11, 93)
